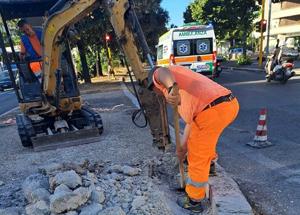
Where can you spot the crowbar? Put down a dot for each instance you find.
(177, 137)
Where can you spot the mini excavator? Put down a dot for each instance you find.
(53, 114)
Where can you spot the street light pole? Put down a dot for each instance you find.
(261, 34)
(269, 26)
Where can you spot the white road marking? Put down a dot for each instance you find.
(256, 156)
(7, 112)
(253, 82)
(131, 97)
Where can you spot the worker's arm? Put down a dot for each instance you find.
(22, 52)
(181, 153)
(165, 77)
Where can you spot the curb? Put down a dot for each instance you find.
(227, 198)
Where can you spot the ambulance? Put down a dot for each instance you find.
(193, 46)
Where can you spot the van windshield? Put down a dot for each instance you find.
(201, 46)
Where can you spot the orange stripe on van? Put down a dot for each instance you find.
(187, 59)
(194, 58)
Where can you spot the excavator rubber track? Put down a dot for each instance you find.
(85, 126)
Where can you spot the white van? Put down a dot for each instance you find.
(192, 45)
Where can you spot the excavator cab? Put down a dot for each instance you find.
(39, 125)
(53, 114)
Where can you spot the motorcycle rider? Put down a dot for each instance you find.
(276, 57)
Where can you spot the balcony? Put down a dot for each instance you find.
(292, 30)
(286, 13)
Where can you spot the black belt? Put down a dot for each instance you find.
(219, 100)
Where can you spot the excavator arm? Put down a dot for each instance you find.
(127, 29)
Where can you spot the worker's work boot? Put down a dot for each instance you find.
(188, 204)
(212, 170)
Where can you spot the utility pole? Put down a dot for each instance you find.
(108, 51)
(269, 26)
(261, 34)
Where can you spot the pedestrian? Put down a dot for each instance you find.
(110, 71)
(207, 108)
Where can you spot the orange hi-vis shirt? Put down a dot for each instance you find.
(196, 91)
(35, 66)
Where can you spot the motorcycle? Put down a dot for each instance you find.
(281, 72)
(218, 68)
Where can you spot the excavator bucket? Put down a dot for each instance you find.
(82, 127)
(71, 138)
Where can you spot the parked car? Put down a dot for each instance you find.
(5, 82)
(13, 67)
(234, 53)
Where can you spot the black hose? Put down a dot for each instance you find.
(136, 114)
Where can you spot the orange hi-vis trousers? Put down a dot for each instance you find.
(205, 132)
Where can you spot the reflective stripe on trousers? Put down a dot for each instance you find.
(205, 132)
(195, 184)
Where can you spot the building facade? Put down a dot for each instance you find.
(285, 22)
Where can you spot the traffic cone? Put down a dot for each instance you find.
(261, 138)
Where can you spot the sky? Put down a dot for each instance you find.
(175, 9)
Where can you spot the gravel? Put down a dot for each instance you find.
(122, 172)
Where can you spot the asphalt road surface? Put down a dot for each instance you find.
(8, 101)
(269, 177)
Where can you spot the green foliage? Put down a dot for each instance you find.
(153, 20)
(232, 19)
(14, 32)
(187, 15)
(244, 60)
(92, 30)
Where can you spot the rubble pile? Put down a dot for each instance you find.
(92, 189)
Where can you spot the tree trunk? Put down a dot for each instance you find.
(99, 63)
(244, 45)
(84, 66)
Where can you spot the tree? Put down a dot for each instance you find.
(187, 15)
(232, 19)
(153, 20)
(173, 26)
(93, 28)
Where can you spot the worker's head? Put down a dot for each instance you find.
(25, 27)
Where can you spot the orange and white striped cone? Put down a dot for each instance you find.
(261, 138)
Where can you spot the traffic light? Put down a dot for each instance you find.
(257, 26)
(107, 37)
(263, 25)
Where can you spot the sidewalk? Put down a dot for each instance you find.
(121, 143)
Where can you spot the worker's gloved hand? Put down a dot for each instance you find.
(173, 98)
(182, 152)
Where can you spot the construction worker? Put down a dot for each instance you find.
(207, 109)
(31, 49)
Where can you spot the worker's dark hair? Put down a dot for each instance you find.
(22, 22)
